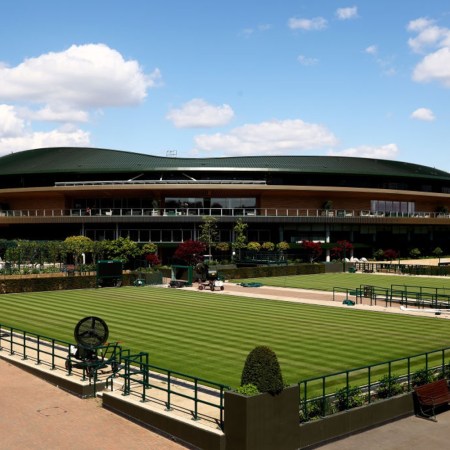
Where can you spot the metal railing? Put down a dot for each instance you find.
(142, 379)
(236, 212)
(201, 398)
(322, 390)
(42, 349)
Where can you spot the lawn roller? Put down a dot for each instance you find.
(208, 278)
(92, 351)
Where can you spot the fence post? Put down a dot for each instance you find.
(24, 344)
(38, 350)
(196, 399)
(11, 352)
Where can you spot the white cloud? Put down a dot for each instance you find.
(388, 151)
(318, 23)
(66, 87)
(81, 77)
(271, 137)
(429, 36)
(55, 114)
(385, 63)
(423, 114)
(434, 41)
(11, 125)
(347, 13)
(197, 114)
(56, 138)
(434, 67)
(305, 61)
(247, 32)
(371, 50)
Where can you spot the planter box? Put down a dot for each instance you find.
(355, 420)
(262, 422)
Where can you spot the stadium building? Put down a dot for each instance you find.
(52, 193)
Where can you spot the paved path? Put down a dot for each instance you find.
(405, 434)
(34, 415)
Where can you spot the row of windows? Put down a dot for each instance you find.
(387, 206)
(163, 235)
(169, 202)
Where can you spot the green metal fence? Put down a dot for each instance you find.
(138, 375)
(318, 395)
(142, 379)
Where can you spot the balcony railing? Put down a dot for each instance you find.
(236, 212)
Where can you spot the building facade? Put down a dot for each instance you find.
(52, 193)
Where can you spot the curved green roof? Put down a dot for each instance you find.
(95, 160)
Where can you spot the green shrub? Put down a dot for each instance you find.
(263, 370)
(389, 386)
(248, 389)
(351, 399)
(320, 407)
(421, 377)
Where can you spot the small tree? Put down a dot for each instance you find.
(152, 259)
(313, 250)
(268, 246)
(122, 249)
(223, 247)
(209, 233)
(414, 253)
(378, 254)
(254, 246)
(390, 254)
(77, 245)
(263, 370)
(240, 238)
(341, 249)
(283, 246)
(191, 252)
(437, 252)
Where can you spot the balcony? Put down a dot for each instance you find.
(112, 214)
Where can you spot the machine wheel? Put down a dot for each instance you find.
(201, 287)
(222, 288)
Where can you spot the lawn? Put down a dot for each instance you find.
(326, 282)
(209, 335)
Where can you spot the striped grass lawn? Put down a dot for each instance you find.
(209, 335)
(326, 282)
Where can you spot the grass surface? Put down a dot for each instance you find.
(209, 335)
(326, 282)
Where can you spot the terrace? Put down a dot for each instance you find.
(327, 214)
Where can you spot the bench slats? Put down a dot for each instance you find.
(432, 395)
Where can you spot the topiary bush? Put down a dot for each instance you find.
(263, 370)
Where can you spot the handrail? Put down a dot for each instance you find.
(138, 375)
(335, 214)
(322, 388)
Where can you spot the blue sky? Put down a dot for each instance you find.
(207, 79)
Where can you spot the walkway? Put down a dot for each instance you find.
(34, 415)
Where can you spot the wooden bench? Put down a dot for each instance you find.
(431, 395)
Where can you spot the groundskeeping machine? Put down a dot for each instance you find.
(92, 351)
